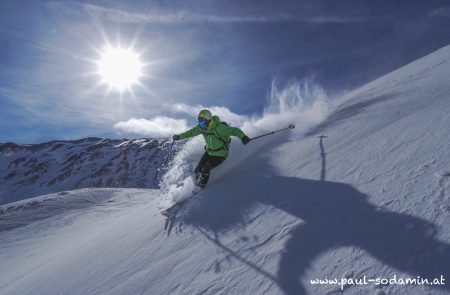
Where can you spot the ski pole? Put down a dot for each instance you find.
(291, 126)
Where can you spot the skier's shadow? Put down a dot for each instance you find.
(335, 215)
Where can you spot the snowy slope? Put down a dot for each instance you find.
(368, 199)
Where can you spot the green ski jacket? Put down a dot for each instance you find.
(217, 136)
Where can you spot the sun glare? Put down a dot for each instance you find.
(119, 68)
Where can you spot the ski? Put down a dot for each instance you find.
(173, 210)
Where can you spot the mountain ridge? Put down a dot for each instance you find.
(28, 170)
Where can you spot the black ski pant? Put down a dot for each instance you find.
(204, 167)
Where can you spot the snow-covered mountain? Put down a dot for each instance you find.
(35, 169)
(362, 196)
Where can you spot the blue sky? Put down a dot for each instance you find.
(196, 53)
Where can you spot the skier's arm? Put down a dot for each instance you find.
(233, 131)
(191, 133)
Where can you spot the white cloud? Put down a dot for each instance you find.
(156, 127)
(224, 113)
(303, 103)
(163, 126)
(124, 16)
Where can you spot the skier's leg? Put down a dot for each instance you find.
(200, 165)
(210, 163)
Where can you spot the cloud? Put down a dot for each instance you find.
(224, 113)
(123, 16)
(303, 103)
(157, 127)
(443, 12)
(163, 126)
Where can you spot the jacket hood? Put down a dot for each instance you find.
(214, 121)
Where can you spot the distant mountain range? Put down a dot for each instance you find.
(35, 169)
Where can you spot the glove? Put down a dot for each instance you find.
(176, 137)
(245, 140)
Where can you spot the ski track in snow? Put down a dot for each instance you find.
(369, 198)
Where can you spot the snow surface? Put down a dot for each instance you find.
(363, 193)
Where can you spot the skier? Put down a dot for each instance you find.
(217, 136)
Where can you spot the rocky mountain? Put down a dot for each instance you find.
(34, 169)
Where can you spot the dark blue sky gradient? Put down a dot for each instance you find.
(201, 52)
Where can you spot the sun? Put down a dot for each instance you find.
(119, 68)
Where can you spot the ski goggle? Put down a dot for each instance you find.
(202, 122)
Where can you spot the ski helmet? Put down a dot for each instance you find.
(205, 114)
